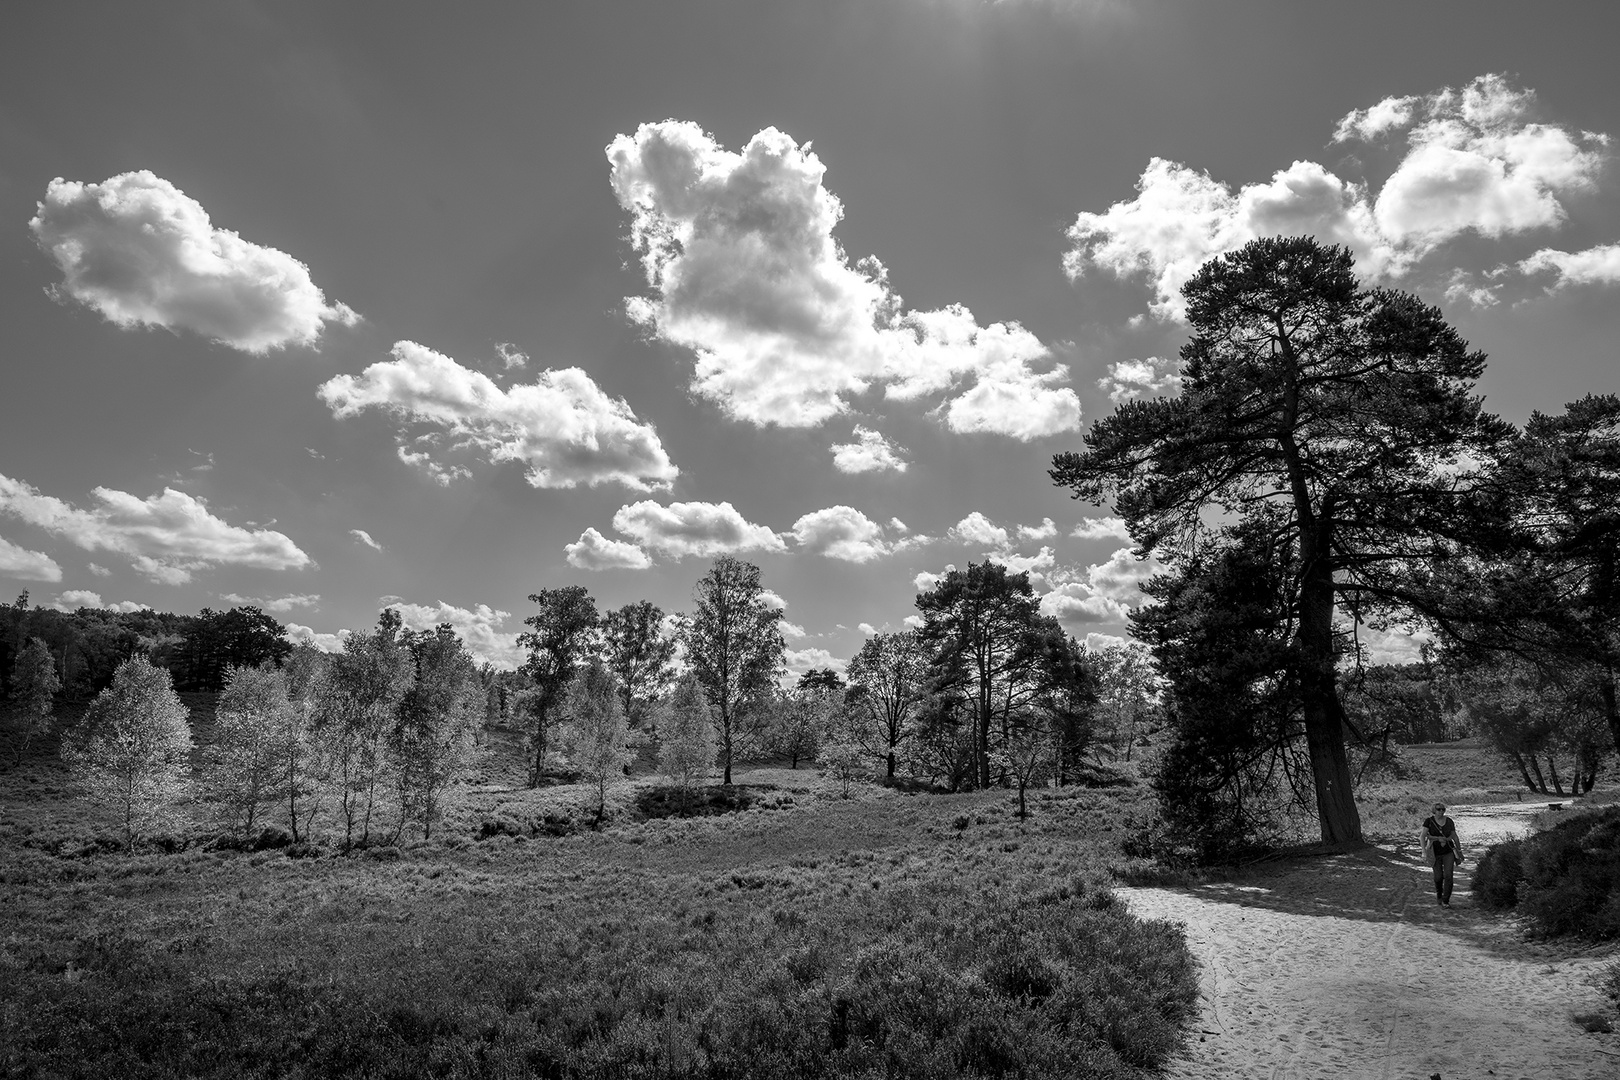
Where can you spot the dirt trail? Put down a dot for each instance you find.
(1344, 966)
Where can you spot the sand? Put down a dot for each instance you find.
(1345, 966)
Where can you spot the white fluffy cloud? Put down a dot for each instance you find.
(1131, 379)
(1101, 528)
(19, 562)
(927, 579)
(139, 251)
(1034, 565)
(772, 600)
(1594, 266)
(363, 537)
(1474, 162)
(800, 661)
(511, 356)
(1044, 531)
(843, 532)
(478, 627)
(744, 271)
(870, 452)
(593, 551)
(277, 606)
(299, 634)
(978, 529)
(561, 426)
(166, 536)
(1101, 593)
(700, 529)
(99, 571)
(73, 599)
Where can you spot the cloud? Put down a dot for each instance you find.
(1101, 528)
(866, 628)
(1096, 642)
(790, 630)
(136, 249)
(593, 551)
(772, 600)
(1131, 379)
(842, 532)
(1034, 565)
(511, 355)
(478, 627)
(915, 622)
(1594, 266)
(561, 426)
(99, 571)
(1474, 162)
(278, 606)
(978, 529)
(870, 452)
(299, 634)
(928, 580)
(165, 536)
(1393, 646)
(1044, 531)
(1103, 592)
(19, 562)
(1182, 218)
(698, 529)
(738, 251)
(799, 661)
(363, 537)
(439, 473)
(74, 599)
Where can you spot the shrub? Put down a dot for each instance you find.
(1564, 880)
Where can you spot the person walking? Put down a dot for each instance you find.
(1443, 848)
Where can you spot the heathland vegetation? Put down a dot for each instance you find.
(224, 854)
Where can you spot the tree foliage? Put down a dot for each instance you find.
(246, 761)
(640, 655)
(734, 646)
(34, 685)
(888, 682)
(687, 749)
(368, 681)
(131, 752)
(561, 635)
(1339, 419)
(435, 736)
(220, 640)
(597, 729)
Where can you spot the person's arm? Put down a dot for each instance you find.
(1424, 839)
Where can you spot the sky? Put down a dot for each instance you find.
(328, 307)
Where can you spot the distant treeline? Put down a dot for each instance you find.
(90, 643)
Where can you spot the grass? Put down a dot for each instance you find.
(806, 935)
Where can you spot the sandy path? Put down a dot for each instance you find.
(1344, 966)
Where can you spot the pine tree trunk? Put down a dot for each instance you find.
(1336, 811)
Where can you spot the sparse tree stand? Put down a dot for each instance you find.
(734, 647)
(436, 732)
(132, 749)
(35, 685)
(562, 635)
(246, 760)
(1345, 411)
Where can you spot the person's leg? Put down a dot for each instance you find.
(1439, 882)
(1443, 871)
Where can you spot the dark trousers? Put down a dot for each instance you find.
(1444, 861)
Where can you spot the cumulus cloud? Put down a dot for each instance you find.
(1034, 565)
(738, 251)
(1394, 645)
(593, 551)
(978, 529)
(927, 579)
(791, 630)
(561, 426)
(870, 452)
(1101, 528)
(511, 356)
(73, 599)
(772, 599)
(99, 571)
(842, 532)
(25, 565)
(165, 536)
(1594, 266)
(1044, 531)
(363, 537)
(799, 661)
(478, 627)
(915, 622)
(139, 251)
(700, 529)
(1101, 593)
(277, 606)
(299, 634)
(1131, 379)
(1474, 162)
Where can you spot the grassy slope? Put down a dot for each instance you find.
(882, 935)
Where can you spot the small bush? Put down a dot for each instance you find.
(1563, 880)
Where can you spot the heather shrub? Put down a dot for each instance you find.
(1566, 878)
